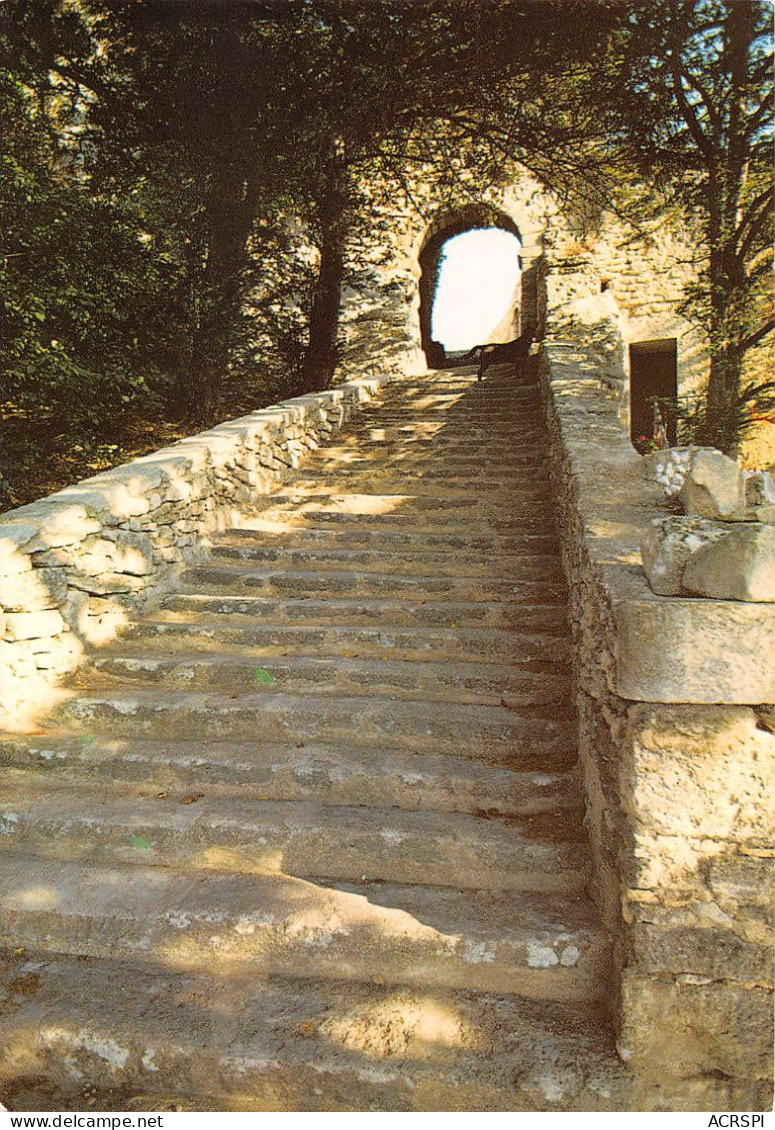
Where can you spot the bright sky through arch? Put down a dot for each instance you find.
(476, 289)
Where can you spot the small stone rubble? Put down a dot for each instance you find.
(669, 468)
(724, 545)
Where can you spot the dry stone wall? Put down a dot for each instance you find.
(73, 563)
(677, 747)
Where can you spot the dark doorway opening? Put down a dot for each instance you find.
(653, 381)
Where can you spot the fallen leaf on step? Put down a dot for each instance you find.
(141, 843)
(162, 795)
(261, 675)
(192, 798)
(307, 1028)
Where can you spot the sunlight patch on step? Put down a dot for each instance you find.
(112, 1054)
(247, 857)
(438, 401)
(421, 427)
(40, 698)
(350, 503)
(301, 912)
(37, 898)
(400, 1026)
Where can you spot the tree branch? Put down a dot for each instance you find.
(73, 73)
(688, 114)
(754, 338)
(760, 115)
(710, 109)
(757, 214)
(752, 391)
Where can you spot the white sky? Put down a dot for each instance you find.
(478, 277)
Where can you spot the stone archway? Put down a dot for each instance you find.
(386, 305)
(468, 217)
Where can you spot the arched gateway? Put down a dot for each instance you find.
(386, 313)
(469, 217)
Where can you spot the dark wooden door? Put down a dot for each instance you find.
(653, 374)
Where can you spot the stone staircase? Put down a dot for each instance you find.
(309, 835)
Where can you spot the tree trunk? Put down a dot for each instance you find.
(727, 272)
(321, 355)
(722, 418)
(231, 206)
(727, 328)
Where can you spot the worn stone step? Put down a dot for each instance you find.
(526, 464)
(364, 628)
(305, 771)
(446, 522)
(413, 562)
(465, 729)
(280, 1045)
(389, 475)
(464, 509)
(454, 402)
(450, 412)
(493, 433)
(491, 448)
(393, 476)
(489, 684)
(540, 946)
(387, 540)
(317, 584)
(415, 495)
(412, 498)
(544, 852)
(453, 419)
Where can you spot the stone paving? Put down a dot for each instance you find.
(309, 836)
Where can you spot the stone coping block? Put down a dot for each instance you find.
(667, 649)
(739, 566)
(71, 563)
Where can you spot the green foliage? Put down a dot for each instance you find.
(696, 113)
(83, 289)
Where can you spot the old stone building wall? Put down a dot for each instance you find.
(615, 283)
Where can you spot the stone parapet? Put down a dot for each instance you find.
(665, 650)
(73, 563)
(677, 750)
